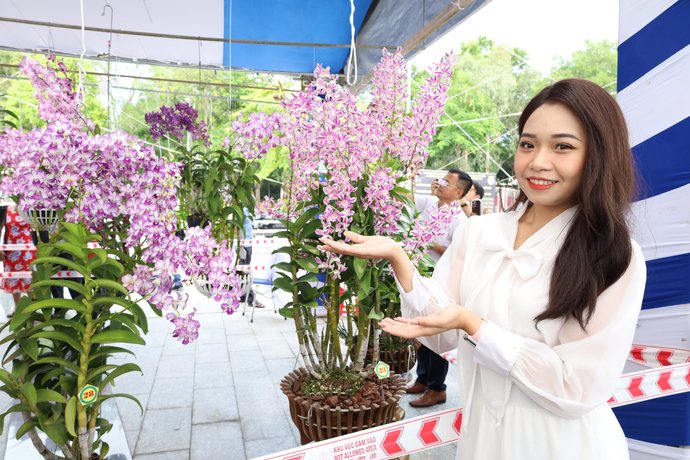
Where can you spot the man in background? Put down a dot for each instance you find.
(432, 368)
(476, 193)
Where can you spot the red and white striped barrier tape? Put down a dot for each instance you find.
(62, 274)
(387, 441)
(75, 274)
(31, 247)
(253, 268)
(652, 356)
(651, 384)
(643, 354)
(436, 429)
(92, 245)
(262, 241)
(450, 356)
(654, 383)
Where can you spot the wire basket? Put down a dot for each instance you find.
(204, 286)
(43, 219)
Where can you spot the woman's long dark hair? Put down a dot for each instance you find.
(597, 250)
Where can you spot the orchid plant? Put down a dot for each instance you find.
(347, 166)
(115, 191)
(216, 186)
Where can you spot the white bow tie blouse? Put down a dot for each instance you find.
(529, 393)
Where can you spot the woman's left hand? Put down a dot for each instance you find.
(453, 317)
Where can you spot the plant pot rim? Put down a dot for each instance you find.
(314, 421)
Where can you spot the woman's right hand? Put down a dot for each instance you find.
(374, 247)
(364, 247)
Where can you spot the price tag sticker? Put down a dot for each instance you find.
(383, 370)
(88, 394)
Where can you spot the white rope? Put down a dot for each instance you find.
(480, 84)
(472, 139)
(492, 141)
(480, 119)
(353, 49)
(19, 100)
(82, 72)
(523, 59)
(480, 147)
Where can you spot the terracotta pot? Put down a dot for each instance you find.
(319, 421)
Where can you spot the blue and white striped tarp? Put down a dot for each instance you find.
(654, 93)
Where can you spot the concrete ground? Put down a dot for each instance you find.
(218, 397)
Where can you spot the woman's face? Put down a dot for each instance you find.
(550, 157)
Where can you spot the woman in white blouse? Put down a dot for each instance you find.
(547, 295)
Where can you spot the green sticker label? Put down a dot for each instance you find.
(383, 370)
(88, 394)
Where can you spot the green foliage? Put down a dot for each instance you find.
(491, 81)
(19, 93)
(57, 346)
(217, 186)
(598, 62)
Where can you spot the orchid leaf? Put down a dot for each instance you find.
(29, 392)
(60, 361)
(308, 264)
(30, 347)
(122, 369)
(26, 426)
(60, 303)
(50, 395)
(71, 415)
(60, 261)
(120, 335)
(62, 337)
(360, 267)
(62, 283)
(110, 284)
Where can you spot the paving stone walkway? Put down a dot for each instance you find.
(220, 396)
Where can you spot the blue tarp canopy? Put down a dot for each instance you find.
(278, 36)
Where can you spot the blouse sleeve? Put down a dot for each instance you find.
(583, 370)
(431, 295)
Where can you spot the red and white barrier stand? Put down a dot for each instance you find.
(388, 441)
(652, 356)
(439, 428)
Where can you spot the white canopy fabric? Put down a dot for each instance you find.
(290, 36)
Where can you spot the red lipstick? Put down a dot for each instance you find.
(540, 186)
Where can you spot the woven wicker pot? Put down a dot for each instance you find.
(319, 422)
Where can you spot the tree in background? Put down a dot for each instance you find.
(16, 95)
(492, 81)
(598, 63)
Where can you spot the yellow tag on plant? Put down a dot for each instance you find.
(383, 370)
(88, 394)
